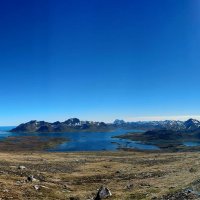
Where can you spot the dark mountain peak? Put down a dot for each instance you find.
(192, 124)
(102, 124)
(32, 122)
(191, 120)
(119, 122)
(56, 123)
(72, 121)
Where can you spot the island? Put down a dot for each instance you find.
(167, 140)
(70, 125)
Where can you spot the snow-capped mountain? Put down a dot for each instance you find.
(70, 125)
(74, 124)
(191, 124)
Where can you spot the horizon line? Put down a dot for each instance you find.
(126, 119)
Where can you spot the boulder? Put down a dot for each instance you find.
(37, 187)
(21, 167)
(32, 179)
(103, 193)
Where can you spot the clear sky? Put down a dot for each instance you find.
(99, 59)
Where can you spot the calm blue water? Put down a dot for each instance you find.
(191, 144)
(86, 141)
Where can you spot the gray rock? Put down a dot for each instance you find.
(21, 167)
(32, 179)
(37, 187)
(129, 186)
(103, 193)
(74, 198)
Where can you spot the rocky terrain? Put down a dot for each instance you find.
(80, 176)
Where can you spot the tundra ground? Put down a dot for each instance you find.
(129, 175)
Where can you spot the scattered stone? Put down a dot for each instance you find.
(74, 198)
(22, 167)
(32, 179)
(103, 193)
(37, 187)
(129, 186)
(145, 184)
(67, 187)
(20, 182)
(45, 187)
(182, 195)
(193, 170)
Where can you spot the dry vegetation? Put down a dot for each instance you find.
(129, 175)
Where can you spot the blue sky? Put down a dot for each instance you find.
(99, 59)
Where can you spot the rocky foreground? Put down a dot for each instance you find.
(123, 175)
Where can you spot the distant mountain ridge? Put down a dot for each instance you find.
(70, 125)
(74, 124)
(190, 124)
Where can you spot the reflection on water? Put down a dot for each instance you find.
(86, 141)
(191, 144)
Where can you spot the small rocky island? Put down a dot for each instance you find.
(170, 139)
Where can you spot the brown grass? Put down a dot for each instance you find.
(129, 175)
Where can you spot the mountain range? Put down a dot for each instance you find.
(70, 125)
(189, 125)
(75, 124)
